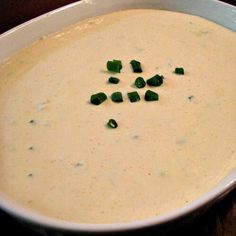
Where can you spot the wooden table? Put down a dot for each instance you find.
(219, 220)
(14, 12)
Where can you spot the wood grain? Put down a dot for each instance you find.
(219, 220)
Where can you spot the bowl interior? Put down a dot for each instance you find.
(19, 37)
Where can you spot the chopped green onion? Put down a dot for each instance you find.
(114, 66)
(179, 70)
(79, 164)
(112, 124)
(140, 82)
(136, 66)
(156, 80)
(133, 96)
(98, 98)
(117, 97)
(113, 80)
(190, 97)
(151, 96)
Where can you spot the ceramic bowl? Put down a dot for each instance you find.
(22, 35)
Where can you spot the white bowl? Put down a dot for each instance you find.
(20, 36)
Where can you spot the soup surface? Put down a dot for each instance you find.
(57, 156)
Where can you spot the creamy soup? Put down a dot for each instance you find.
(57, 156)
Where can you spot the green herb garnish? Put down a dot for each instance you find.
(112, 124)
(114, 66)
(151, 96)
(117, 97)
(98, 98)
(32, 122)
(79, 164)
(140, 82)
(113, 80)
(136, 66)
(179, 70)
(156, 80)
(133, 96)
(190, 97)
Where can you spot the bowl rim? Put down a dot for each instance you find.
(30, 216)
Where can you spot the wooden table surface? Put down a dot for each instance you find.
(219, 220)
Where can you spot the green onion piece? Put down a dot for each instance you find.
(114, 66)
(117, 97)
(31, 148)
(156, 80)
(179, 70)
(136, 66)
(98, 98)
(151, 96)
(112, 124)
(133, 96)
(190, 97)
(113, 80)
(140, 82)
